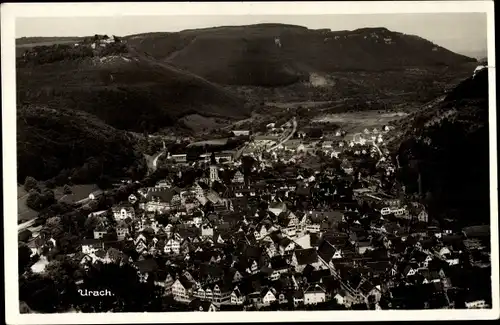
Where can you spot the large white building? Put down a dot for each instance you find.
(123, 212)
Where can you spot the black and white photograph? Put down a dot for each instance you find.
(245, 157)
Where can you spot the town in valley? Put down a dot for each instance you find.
(298, 205)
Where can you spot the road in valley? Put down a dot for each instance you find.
(152, 161)
(294, 129)
(155, 160)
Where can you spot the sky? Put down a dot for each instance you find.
(460, 32)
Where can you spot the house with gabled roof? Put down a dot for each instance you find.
(253, 267)
(270, 247)
(314, 294)
(429, 276)
(86, 260)
(278, 266)
(222, 291)
(100, 231)
(277, 208)
(298, 297)
(303, 257)
(268, 296)
(285, 246)
(203, 292)
(122, 230)
(123, 211)
(263, 229)
(164, 279)
(172, 246)
(236, 275)
(90, 246)
(238, 178)
(162, 199)
(327, 252)
(146, 268)
(182, 289)
(140, 237)
(308, 240)
(141, 246)
(410, 269)
(288, 223)
(202, 305)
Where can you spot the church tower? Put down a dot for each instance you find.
(214, 174)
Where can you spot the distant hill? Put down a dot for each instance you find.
(99, 85)
(277, 54)
(479, 55)
(448, 144)
(40, 40)
(26, 43)
(121, 86)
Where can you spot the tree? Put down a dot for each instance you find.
(30, 183)
(53, 222)
(24, 258)
(247, 164)
(50, 184)
(34, 200)
(162, 219)
(24, 235)
(93, 205)
(91, 223)
(67, 189)
(48, 198)
(38, 201)
(68, 244)
(39, 293)
(94, 167)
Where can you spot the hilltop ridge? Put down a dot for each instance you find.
(285, 54)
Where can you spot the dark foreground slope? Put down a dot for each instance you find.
(74, 144)
(122, 87)
(249, 55)
(448, 144)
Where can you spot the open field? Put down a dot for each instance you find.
(304, 104)
(24, 213)
(358, 121)
(79, 192)
(200, 123)
(213, 142)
